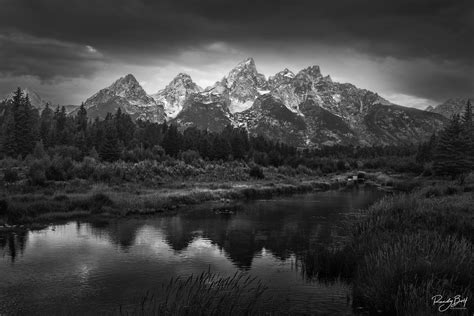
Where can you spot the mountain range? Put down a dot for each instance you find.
(303, 108)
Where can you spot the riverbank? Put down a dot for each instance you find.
(23, 205)
(406, 249)
(63, 201)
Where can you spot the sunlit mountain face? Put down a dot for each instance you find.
(306, 108)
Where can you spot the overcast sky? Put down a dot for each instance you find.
(413, 52)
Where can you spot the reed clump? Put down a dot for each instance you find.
(207, 293)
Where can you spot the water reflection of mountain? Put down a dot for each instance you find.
(282, 227)
(119, 232)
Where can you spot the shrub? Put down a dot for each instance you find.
(100, 199)
(427, 172)
(85, 169)
(3, 208)
(61, 197)
(94, 154)
(190, 156)
(37, 173)
(60, 169)
(39, 152)
(158, 152)
(304, 170)
(256, 172)
(341, 165)
(10, 175)
(66, 151)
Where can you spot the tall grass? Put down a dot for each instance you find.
(410, 247)
(205, 294)
(405, 249)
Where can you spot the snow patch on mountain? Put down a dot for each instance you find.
(174, 95)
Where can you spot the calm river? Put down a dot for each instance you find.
(80, 267)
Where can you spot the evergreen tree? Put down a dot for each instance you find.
(81, 119)
(172, 141)
(8, 131)
(125, 127)
(46, 122)
(467, 115)
(451, 154)
(468, 127)
(221, 148)
(109, 150)
(425, 150)
(24, 124)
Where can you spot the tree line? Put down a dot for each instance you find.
(118, 136)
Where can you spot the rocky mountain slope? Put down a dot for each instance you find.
(173, 96)
(304, 109)
(204, 111)
(450, 107)
(128, 95)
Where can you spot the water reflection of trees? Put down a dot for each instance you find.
(14, 243)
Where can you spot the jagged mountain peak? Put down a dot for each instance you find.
(282, 77)
(312, 72)
(246, 69)
(182, 79)
(174, 95)
(249, 62)
(327, 78)
(242, 85)
(285, 73)
(130, 77)
(127, 82)
(127, 94)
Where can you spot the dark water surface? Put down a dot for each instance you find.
(78, 268)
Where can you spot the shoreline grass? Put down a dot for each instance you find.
(101, 200)
(410, 247)
(404, 249)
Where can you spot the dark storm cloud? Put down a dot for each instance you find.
(137, 31)
(419, 28)
(22, 54)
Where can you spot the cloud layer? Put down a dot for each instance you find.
(419, 48)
